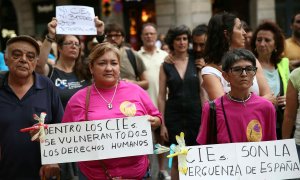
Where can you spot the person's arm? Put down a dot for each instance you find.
(42, 67)
(161, 102)
(100, 29)
(212, 85)
(143, 82)
(154, 121)
(49, 171)
(203, 93)
(290, 112)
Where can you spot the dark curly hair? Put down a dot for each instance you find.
(217, 43)
(177, 31)
(278, 38)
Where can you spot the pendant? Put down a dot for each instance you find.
(109, 106)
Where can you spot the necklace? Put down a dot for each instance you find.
(109, 104)
(239, 100)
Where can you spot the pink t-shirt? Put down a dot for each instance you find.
(250, 122)
(129, 100)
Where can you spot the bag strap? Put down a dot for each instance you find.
(212, 125)
(51, 70)
(87, 103)
(226, 121)
(132, 60)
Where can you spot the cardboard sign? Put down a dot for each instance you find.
(75, 20)
(93, 140)
(253, 160)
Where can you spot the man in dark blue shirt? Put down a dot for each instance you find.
(24, 93)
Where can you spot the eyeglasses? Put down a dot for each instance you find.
(250, 70)
(110, 36)
(71, 44)
(18, 54)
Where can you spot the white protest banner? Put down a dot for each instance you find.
(93, 140)
(76, 20)
(253, 160)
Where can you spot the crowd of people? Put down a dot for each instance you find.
(174, 78)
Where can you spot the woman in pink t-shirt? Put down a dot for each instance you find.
(241, 116)
(111, 98)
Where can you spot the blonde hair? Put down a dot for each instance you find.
(102, 48)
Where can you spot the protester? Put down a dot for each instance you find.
(24, 93)
(256, 117)
(267, 45)
(199, 35)
(165, 47)
(290, 125)
(292, 44)
(153, 58)
(69, 74)
(225, 32)
(132, 66)
(111, 97)
(182, 110)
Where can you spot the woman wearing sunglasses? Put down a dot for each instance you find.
(241, 115)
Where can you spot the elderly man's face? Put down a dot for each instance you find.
(21, 59)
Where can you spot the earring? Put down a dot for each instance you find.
(275, 50)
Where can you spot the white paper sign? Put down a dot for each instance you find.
(254, 160)
(93, 140)
(76, 20)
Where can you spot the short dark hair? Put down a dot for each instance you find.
(114, 27)
(173, 32)
(199, 30)
(235, 55)
(278, 38)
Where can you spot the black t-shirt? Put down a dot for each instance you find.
(67, 84)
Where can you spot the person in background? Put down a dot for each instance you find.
(267, 44)
(160, 40)
(249, 34)
(199, 35)
(132, 66)
(182, 109)
(292, 44)
(23, 93)
(225, 32)
(241, 115)
(69, 74)
(291, 121)
(3, 66)
(111, 97)
(153, 57)
(165, 47)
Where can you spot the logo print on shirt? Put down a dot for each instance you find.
(61, 83)
(128, 108)
(254, 131)
(69, 84)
